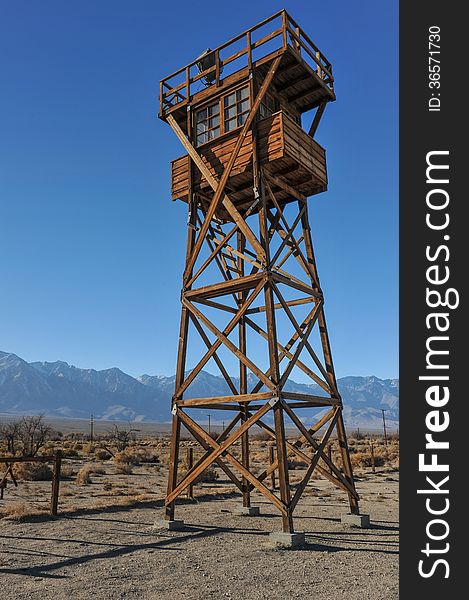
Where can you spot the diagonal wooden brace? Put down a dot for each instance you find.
(226, 238)
(254, 481)
(206, 446)
(217, 452)
(231, 325)
(219, 363)
(219, 186)
(229, 344)
(306, 436)
(318, 454)
(229, 206)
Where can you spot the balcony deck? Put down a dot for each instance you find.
(289, 156)
(304, 76)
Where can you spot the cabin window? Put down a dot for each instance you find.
(267, 107)
(208, 123)
(236, 108)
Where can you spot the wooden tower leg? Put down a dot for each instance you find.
(173, 465)
(347, 465)
(282, 458)
(341, 434)
(243, 378)
(284, 483)
(180, 368)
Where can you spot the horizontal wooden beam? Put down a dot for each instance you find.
(296, 302)
(323, 401)
(279, 182)
(231, 286)
(15, 459)
(220, 399)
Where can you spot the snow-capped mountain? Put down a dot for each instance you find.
(62, 390)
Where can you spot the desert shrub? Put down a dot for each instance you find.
(208, 476)
(136, 456)
(68, 452)
(259, 456)
(145, 455)
(67, 472)
(296, 464)
(124, 468)
(88, 448)
(123, 458)
(84, 474)
(98, 470)
(16, 511)
(363, 459)
(74, 435)
(261, 436)
(102, 454)
(33, 471)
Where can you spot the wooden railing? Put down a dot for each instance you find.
(177, 88)
(56, 459)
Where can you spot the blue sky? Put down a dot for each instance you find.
(92, 248)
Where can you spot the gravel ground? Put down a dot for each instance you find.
(117, 554)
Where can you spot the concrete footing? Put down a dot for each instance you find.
(248, 511)
(362, 521)
(288, 540)
(175, 525)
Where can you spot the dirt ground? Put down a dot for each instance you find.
(112, 553)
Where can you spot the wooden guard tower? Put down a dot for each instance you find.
(250, 266)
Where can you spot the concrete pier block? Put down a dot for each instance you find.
(362, 521)
(248, 511)
(174, 525)
(288, 540)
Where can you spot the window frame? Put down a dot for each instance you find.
(221, 113)
(270, 111)
(206, 120)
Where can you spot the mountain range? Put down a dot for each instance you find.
(58, 389)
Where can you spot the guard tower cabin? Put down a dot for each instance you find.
(210, 100)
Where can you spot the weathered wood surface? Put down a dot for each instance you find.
(279, 137)
(56, 459)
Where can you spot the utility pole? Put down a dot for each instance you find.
(209, 429)
(91, 429)
(383, 410)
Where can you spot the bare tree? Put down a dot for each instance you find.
(121, 437)
(33, 434)
(9, 432)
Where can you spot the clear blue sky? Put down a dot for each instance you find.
(85, 212)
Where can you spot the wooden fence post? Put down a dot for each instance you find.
(190, 464)
(329, 454)
(373, 466)
(55, 483)
(271, 461)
